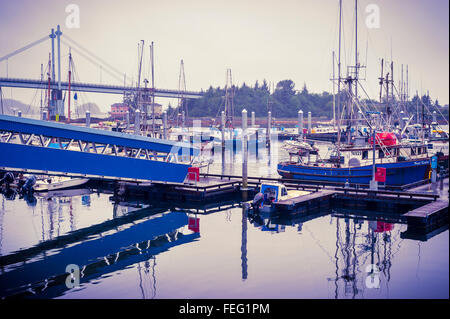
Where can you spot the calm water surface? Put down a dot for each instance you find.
(166, 252)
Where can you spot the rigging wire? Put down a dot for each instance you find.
(120, 79)
(121, 74)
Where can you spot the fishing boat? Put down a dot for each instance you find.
(64, 183)
(364, 152)
(405, 163)
(270, 194)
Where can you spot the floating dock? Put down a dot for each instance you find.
(425, 217)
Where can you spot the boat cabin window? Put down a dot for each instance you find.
(380, 154)
(283, 191)
(419, 150)
(413, 151)
(365, 154)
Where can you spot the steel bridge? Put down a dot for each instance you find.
(42, 147)
(94, 88)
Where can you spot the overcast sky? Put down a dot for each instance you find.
(272, 40)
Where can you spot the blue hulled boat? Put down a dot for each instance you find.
(397, 174)
(404, 164)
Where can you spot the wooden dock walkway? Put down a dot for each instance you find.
(428, 216)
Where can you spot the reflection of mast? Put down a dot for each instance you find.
(337, 260)
(349, 277)
(1, 224)
(349, 270)
(72, 224)
(244, 244)
(148, 265)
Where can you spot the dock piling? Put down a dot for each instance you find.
(373, 182)
(88, 119)
(253, 119)
(222, 130)
(165, 125)
(244, 155)
(269, 128)
(309, 123)
(183, 119)
(137, 122)
(300, 123)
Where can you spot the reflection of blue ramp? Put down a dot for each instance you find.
(88, 251)
(59, 290)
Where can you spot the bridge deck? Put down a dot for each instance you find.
(93, 87)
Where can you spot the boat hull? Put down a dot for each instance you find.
(397, 174)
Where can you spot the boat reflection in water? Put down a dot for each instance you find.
(363, 250)
(95, 251)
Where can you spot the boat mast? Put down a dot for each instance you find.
(140, 54)
(334, 95)
(153, 89)
(70, 76)
(355, 79)
(339, 88)
(356, 49)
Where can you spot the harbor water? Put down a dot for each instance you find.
(144, 249)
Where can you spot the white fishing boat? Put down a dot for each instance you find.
(271, 193)
(60, 183)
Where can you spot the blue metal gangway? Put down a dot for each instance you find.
(28, 145)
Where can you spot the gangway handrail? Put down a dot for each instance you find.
(72, 132)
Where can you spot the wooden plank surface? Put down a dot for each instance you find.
(428, 209)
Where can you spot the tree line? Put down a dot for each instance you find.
(284, 102)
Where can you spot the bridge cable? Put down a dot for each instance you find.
(92, 61)
(28, 46)
(95, 56)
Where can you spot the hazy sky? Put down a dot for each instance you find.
(272, 40)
